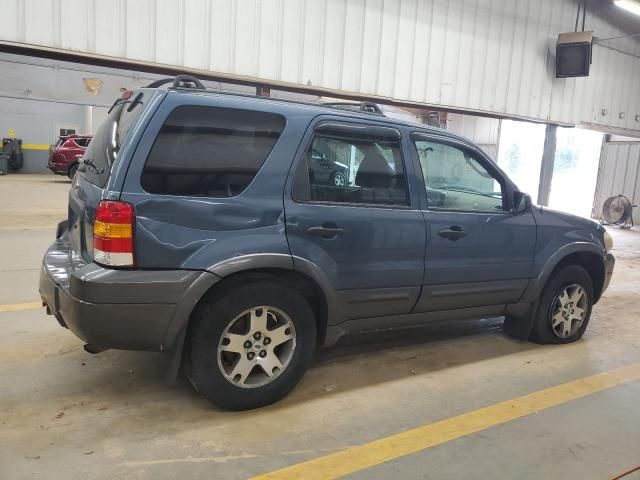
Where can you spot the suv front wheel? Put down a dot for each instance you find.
(565, 307)
(251, 345)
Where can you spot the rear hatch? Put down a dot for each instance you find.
(91, 182)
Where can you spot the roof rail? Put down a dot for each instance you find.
(367, 107)
(190, 82)
(180, 81)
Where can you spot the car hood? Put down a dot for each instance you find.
(548, 216)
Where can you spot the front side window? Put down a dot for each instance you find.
(210, 151)
(344, 169)
(456, 180)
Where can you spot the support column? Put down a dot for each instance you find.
(546, 167)
(88, 120)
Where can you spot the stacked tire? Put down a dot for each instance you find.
(12, 152)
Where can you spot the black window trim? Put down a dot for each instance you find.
(478, 155)
(333, 128)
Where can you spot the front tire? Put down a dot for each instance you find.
(250, 345)
(565, 307)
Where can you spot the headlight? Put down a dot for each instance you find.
(608, 241)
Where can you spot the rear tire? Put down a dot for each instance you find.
(251, 345)
(565, 307)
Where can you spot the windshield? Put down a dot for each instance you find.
(102, 153)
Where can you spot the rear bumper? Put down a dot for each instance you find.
(609, 263)
(108, 308)
(58, 167)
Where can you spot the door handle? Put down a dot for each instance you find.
(326, 232)
(452, 233)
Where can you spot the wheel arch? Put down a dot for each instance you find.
(592, 263)
(307, 279)
(586, 255)
(302, 283)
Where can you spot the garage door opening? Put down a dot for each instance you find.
(575, 170)
(520, 153)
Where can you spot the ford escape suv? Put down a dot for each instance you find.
(199, 226)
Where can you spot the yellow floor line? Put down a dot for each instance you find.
(14, 307)
(388, 448)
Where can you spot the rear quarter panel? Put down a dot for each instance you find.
(201, 232)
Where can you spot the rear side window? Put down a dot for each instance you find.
(102, 152)
(210, 151)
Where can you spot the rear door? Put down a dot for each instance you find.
(366, 233)
(478, 253)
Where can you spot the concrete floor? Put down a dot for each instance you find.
(68, 414)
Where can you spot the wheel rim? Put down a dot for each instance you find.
(568, 310)
(339, 180)
(256, 347)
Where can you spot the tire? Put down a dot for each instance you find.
(17, 160)
(570, 323)
(223, 315)
(72, 170)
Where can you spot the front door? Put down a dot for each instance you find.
(363, 232)
(478, 253)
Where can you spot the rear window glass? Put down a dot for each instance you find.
(210, 151)
(102, 152)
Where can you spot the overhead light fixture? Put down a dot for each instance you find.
(629, 5)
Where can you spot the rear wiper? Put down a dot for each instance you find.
(92, 166)
(136, 102)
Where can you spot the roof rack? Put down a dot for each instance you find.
(190, 82)
(180, 81)
(367, 107)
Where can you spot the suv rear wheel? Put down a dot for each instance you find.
(251, 345)
(565, 307)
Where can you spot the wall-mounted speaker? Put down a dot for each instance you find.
(573, 54)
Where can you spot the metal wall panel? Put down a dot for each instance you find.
(491, 56)
(619, 173)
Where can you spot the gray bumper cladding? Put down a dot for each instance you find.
(108, 308)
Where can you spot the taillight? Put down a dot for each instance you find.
(113, 234)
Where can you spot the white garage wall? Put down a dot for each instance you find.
(483, 55)
(484, 132)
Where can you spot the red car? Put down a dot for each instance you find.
(66, 153)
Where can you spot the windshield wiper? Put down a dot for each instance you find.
(470, 190)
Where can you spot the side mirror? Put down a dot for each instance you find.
(521, 202)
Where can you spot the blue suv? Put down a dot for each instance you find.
(201, 225)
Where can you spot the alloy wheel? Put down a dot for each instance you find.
(568, 310)
(256, 347)
(339, 180)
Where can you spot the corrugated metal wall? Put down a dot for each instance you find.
(619, 173)
(484, 132)
(485, 55)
